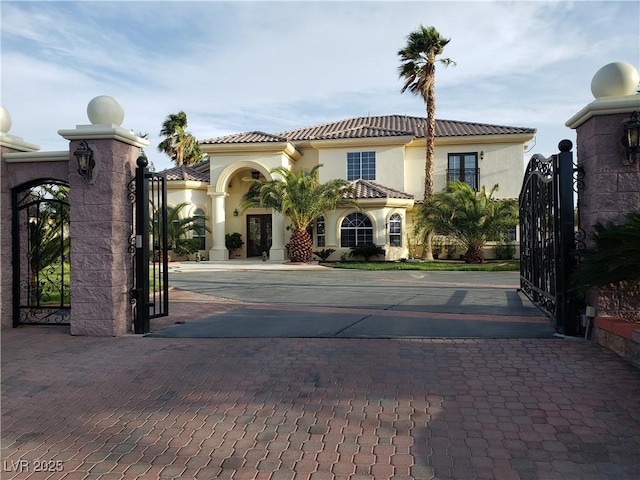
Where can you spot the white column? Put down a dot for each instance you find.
(218, 250)
(277, 252)
(331, 228)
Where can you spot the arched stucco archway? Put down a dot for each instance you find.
(228, 217)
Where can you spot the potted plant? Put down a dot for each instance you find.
(233, 241)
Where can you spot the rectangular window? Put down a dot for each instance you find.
(463, 167)
(395, 230)
(320, 232)
(361, 165)
(511, 234)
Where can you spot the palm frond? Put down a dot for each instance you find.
(615, 257)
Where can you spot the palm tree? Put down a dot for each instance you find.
(178, 228)
(179, 144)
(470, 217)
(301, 198)
(418, 71)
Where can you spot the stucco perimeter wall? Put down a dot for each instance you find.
(13, 175)
(101, 265)
(611, 190)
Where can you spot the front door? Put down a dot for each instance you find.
(258, 235)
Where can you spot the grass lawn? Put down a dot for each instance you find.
(436, 265)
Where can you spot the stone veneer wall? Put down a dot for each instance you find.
(101, 265)
(12, 176)
(611, 190)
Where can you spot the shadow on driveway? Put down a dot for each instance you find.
(354, 304)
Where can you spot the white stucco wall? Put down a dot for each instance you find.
(389, 163)
(501, 163)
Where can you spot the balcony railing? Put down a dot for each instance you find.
(470, 176)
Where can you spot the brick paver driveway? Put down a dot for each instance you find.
(314, 408)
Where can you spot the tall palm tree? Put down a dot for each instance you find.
(301, 198)
(418, 70)
(470, 217)
(179, 144)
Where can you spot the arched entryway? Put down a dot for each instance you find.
(41, 247)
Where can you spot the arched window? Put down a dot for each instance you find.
(356, 229)
(320, 239)
(395, 230)
(200, 231)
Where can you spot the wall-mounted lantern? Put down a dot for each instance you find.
(631, 138)
(86, 162)
(236, 213)
(255, 174)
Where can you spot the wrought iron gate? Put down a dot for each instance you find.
(547, 236)
(149, 245)
(40, 255)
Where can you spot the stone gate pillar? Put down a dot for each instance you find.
(611, 183)
(101, 222)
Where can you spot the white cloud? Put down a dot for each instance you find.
(274, 66)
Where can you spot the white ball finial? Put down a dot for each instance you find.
(617, 79)
(105, 110)
(5, 120)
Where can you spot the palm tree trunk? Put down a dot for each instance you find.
(474, 255)
(300, 246)
(430, 135)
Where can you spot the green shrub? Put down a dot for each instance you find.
(614, 259)
(504, 250)
(186, 246)
(324, 253)
(233, 241)
(366, 250)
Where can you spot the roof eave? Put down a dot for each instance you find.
(474, 139)
(190, 184)
(385, 202)
(365, 141)
(286, 148)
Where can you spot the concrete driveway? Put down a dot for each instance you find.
(276, 301)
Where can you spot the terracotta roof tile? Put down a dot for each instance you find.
(371, 127)
(368, 189)
(247, 137)
(186, 173)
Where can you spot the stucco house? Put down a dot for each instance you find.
(382, 155)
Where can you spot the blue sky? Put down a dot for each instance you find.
(273, 66)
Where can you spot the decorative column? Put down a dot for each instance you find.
(218, 249)
(101, 221)
(611, 183)
(277, 252)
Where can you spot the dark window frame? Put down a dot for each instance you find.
(395, 223)
(361, 165)
(463, 173)
(356, 229)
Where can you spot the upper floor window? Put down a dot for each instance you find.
(361, 165)
(395, 230)
(463, 167)
(356, 229)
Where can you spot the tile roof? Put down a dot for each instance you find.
(186, 173)
(246, 137)
(372, 127)
(367, 189)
